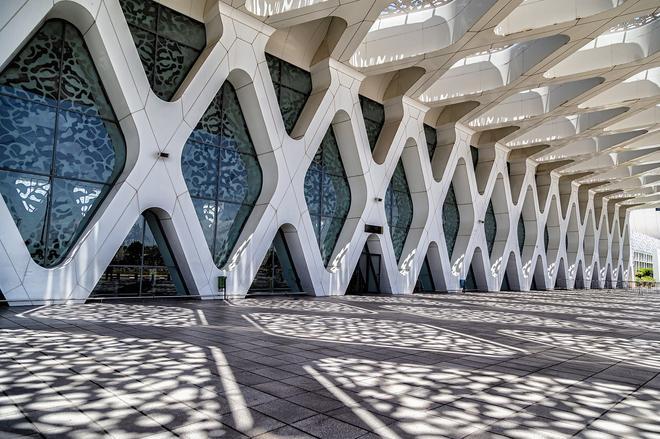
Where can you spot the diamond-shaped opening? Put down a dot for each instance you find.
(516, 166)
(277, 273)
(616, 245)
(484, 153)
(381, 122)
(560, 276)
(168, 43)
(579, 277)
(63, 148)
(510, 280)
(458, 217)
(327, 194)
(497, 222)
(603, 246)
(583, 197)
(553, 237)
(444, 120)
(572, 237)
(475, 278)
(144, 265)
(566, 189)
(589, 239)
(543, 180)
(398, 209)
(527, 229)
(293, 86)
(222, 172)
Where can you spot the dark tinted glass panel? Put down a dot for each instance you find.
(431, 136)
(143, 266)
(474, 152)
(222, 173)
(398, 208)
(277, 272)
(505, 283)
(425, 279)
(374, 119)
(293, 86)
(546, 238)
(470, 280)
(61, 147)
(328, 194)
(451, 219)
(490, 226)
(168, 42)
(521, 234)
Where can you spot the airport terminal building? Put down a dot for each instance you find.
(226, 148)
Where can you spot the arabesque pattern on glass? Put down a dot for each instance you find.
(293, 86)
(398, 208)
(222, 172)
(61, 147)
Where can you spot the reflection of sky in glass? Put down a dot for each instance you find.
(32, 192)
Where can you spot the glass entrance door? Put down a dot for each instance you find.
(366, 277)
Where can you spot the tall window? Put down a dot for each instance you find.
(61, 148)
(328, 194)
(293, 86)
(143, 265)
(374, 119)
(398, 208)
(490, 226)
(222, 173)
(168, 43)
(451, 220)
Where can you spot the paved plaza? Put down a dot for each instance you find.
(518, 365)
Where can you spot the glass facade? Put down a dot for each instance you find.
(293, 86)
(474, 152)
(505, 283)
(642, 260)
(490, 227)
(425, 278)
(470, 280)
(277, 272)
(222, 173)
(398, 208)
(546, 239)
(451, 219)
(61, 147)
(328, 194)
(374, 119)
(168, 43)
(143, 266)
(431, 136)
(521, 234)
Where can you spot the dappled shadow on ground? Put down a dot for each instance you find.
(121, 313)
(412, 400)
(491, 317)
(637, 351)
(377, 332)
(521, 365)
(300, 305)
